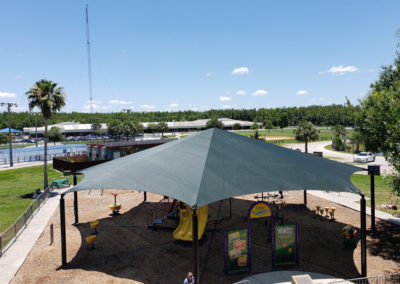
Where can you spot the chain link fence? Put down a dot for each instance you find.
(8, 237)
(34, 158)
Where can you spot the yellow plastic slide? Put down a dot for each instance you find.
(184, 229)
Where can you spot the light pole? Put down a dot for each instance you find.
(9, 105)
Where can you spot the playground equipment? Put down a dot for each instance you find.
(90, 240)
(115, 207)
(184, 230)
(349, 234)
(163, 210)
(94, 226)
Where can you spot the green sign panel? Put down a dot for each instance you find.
(236, 251)
(285, 245)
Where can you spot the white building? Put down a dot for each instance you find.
(77, 129)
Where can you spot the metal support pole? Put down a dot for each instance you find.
(305, 197)
(76, 207)
(363, 237)
(230, 208)
(372, 202)
(76, 201)
(63, 236)
(195, 246)
(144, 196)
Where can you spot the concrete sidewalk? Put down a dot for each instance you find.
(15, 256)
(349, 200)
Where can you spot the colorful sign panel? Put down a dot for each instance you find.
(260, 210)
(285, 246)
(236, 251)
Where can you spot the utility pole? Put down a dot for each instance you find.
(89, 68)
(9, 105)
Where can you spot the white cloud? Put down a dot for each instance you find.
(18, 77)
(340, 70)
(241, 93)
(302, 92)
(208, 74)
(224, 99)
(147, 107)
(119, 102)
(173, 105)
(226, 106)
(260, 93)
(240, 71)
(95, 107)
(7, 95)
(370, 70)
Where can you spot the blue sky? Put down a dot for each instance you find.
(178, 55)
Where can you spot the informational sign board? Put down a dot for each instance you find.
(236, 251)
(260, 210)
(285, 245)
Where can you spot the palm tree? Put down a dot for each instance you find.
(162, 127)
(49, 99)
(306, 132)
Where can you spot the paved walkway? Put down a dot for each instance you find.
(15, 256)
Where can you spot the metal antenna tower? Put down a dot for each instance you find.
(89, 65)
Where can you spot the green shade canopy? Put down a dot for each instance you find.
(216, 164)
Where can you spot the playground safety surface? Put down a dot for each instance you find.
(126, 251)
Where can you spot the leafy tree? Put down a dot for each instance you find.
(306, 132)
(151, 127)
(214, 123)
(3, 138)
(339, 137)
(49, 99)
(236, 125)
(356, 138)
(137, 128)
(55, 135)
(162, 127)
(379, 118)
(114, 128)
(269, 125)
(96, 127)
(127, 128)
(255, 125)
(283, 120)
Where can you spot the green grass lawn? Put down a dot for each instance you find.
(15, 187)
(383, 192)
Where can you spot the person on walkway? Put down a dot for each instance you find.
(189, 279)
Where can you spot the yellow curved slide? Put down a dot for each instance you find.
(184, 229)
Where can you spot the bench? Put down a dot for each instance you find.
(60, 183)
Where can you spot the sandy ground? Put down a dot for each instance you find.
(128, 252)
(268, 138)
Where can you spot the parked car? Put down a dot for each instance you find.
(364, 157)
(70, 138)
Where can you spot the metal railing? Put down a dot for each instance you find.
(378, 279)
(8, 237)
(34, 158)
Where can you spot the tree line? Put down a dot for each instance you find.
(273, 117)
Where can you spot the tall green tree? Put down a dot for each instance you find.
(96, 127)
(306, 132)
(114, 127)
(162, 127)
(339, 137)
(379, 117)
(49, 98)
(214, 123)
(55, 135)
